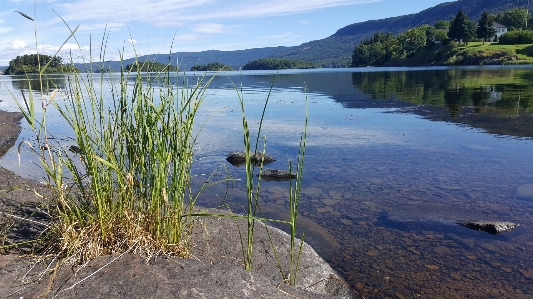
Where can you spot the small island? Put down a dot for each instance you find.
(278, 64)
(34, 64)
(210, 67)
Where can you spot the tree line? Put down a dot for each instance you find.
(213, 66)
(29, 64)
(278, 64)
(150, 66)
(384, 47)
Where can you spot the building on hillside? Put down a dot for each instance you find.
(499, 28)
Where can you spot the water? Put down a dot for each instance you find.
(394, 157)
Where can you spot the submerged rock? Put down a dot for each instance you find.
(491, 227)
(75, 149)
(277, 175)
(525, 191)
(239, 159)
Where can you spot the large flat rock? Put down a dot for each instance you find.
(214, 271)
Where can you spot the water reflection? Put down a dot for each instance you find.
(23, 83)
(499, 101)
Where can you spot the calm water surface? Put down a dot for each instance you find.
(394, 157)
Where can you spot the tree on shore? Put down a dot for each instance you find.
(376, 50)
(213, 66)
(150, 66)
(461, 28)
(29, 64)
(468, 31)
(413, 40)
(278, 64)
(484, 27)
(442, 24)
(514, 19)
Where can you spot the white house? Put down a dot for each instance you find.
(499, 28)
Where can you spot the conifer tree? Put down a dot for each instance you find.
(484, 27)
(458, 21)
(461, 28)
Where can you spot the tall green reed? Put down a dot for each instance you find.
(253, 188)
(253, 195)
(130, 181)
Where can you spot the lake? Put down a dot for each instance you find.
(394, 157)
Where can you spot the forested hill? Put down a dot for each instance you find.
(444, 11)
(337, 49)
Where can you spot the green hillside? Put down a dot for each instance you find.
(336, 50)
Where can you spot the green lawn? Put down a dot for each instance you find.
(523, 52)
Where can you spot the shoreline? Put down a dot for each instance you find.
(9, 130)
(214, 269)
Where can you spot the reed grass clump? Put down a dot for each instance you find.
(129, 185)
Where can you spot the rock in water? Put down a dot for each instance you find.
(75, 149)
(277, 175)
(491, 227)
(239, 159)
(525, 191)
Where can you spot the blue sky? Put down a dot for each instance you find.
(150, 26)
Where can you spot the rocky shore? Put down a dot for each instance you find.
(214, 271)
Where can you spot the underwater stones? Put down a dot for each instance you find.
(239, 159)
(527, 273)
(372, 253)
(277, 175)
(432, 267)
(329, 201)
(491, 227)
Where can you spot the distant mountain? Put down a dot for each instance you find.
(336, 50)
(186, 60)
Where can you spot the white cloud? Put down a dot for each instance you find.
(171, 13)
(160, 13)
(186, 37)
(101, 27)
(282, 36)
(249, 9)
(71, 46)
(5, 29)
(132, 41)
(209, 28)
(18, 44)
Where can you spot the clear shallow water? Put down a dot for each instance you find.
(394, 157)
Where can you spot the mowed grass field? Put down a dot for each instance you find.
(523, 52)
